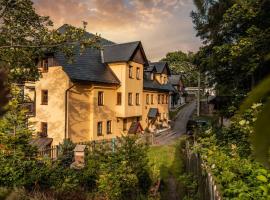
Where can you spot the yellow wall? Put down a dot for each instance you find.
(162, 108)
(56, 82)
(161, 78)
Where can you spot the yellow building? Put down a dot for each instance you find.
(101, 95)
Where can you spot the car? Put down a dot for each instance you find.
(192, 124)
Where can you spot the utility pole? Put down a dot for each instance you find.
(199, 89)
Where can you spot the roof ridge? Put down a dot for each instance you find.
(109, 45)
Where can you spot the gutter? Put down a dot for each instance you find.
(66, 109)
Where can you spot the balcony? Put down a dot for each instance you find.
(30, 107)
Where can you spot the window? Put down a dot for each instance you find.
(130, 71)
(147, 99)
(162, 99)
(124, 124)
(130, 99)
(109, 127)
(119, 98)
(44, 97)
(45, 65)
(165, 80)
(152, 99)
(159, 99)
(100, 98)
(167, 99)
(138, 73)
(152, 76)
(99, 128)
(137, 99)
(44, 129)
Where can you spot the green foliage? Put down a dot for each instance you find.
(261, 146)
(236, 34)
(227, 154)
(125, 173)
(181, 63)
(26, 37)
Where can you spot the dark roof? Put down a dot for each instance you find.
(150, 68)
(154, 85)
(152, 113)
(87, 66)
(160, 66)
(174, 79)
(135, 127)
(41, 143)
(119, 52)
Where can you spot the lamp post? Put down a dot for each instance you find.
(199, 89)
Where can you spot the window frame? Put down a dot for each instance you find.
(125, 122)
(152, 99)
(119, 98)
(109, 127)
(159, 99)
(130, 71)
(44, 101)
(44, 129)
(45, 65)
(147, 99)
(130, 101)
(99, 128)
(100, 98)
(138, 71)
(137, 99)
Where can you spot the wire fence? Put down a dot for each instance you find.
(207, 187)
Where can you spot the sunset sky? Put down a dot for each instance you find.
(161, 25)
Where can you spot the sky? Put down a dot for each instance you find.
(162, 25)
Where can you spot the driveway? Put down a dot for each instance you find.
(179, 126)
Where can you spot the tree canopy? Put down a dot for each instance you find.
(237, 43)
(181, 63)
(26, 37)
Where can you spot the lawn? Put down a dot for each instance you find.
(168, 159)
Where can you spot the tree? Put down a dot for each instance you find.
(181, 63)
(26, 37)
(3, 92)
(236, 36)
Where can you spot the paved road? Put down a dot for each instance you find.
(179, 126)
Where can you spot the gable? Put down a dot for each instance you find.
(139, 56)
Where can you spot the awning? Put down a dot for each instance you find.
(152, 113)
(135, 128)
(41, 143)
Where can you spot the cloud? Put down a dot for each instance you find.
(162, 24)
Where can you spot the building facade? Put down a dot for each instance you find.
(103, 94)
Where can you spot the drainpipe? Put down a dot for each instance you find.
(66, 109)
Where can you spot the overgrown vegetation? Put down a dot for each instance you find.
(120, 174)
(227, 153)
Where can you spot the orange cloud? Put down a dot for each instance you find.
(163, 24)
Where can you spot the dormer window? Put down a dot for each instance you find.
(130, 71)
(152, 76)
(45, 65)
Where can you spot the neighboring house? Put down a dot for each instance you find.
(177, 97)
(101, 95)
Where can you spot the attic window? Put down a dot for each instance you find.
(152, 76)
(45, 65)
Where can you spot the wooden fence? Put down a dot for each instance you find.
(207, 187)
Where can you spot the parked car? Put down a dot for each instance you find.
(192, 124)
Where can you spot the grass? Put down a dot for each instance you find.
(167, 164)
(168, 160)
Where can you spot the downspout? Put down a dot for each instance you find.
(66, 109)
